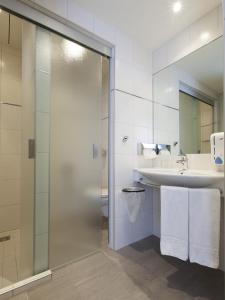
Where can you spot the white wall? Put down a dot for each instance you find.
(132, 93)
(189, 40)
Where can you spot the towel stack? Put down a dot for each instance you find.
(190, 224)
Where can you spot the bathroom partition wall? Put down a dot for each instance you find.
(75, 155)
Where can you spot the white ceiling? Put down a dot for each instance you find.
(206, 65)
(152, 22)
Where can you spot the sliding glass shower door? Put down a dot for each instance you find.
(50, 149)
(75, 164)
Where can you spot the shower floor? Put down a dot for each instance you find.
(136, 272)
(9, 258)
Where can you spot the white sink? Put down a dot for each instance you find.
(187, 178)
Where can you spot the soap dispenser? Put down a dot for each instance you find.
(217, 148)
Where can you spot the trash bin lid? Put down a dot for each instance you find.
(133, 189)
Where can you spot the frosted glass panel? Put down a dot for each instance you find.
(75, 166)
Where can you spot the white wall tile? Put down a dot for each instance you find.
(79, 16)
(207, 24)
(123, 170)
(142, 113)
(140, 56)
(141, 81)
(104, 31)
(141, 134)
(122, 130)
(123, 46)
(200, 162)
(123, 108)
(123, 76)
(179, 46)
(160, 58)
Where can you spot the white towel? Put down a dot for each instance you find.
(174, 222)
(204, 226)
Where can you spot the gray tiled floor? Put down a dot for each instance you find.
(137, 272)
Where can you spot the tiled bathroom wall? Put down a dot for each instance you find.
(190, 39)
(10, 137)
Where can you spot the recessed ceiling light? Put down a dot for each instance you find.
(205, 36)
(177, 6)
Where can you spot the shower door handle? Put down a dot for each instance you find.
(31, 148)
(94, 151)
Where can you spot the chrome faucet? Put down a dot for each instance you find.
(183, 160)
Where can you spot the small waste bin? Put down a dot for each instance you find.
(133, 189)
(133, 197)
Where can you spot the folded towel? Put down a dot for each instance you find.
(174, 222)
(204, 226)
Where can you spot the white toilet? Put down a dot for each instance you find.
(105, 202)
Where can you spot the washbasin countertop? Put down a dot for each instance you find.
(187, 178)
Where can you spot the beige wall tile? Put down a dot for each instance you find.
(10, 117)
(10, 90)
(10, 166)
(10, 141)
(9, 217)
(10, 192)
(11, 62)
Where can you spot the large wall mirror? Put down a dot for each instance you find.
(188, 97)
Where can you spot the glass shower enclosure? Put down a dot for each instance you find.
(51, 158)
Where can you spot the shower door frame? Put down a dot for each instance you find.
(42, 17)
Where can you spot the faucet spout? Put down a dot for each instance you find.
(182, 161)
